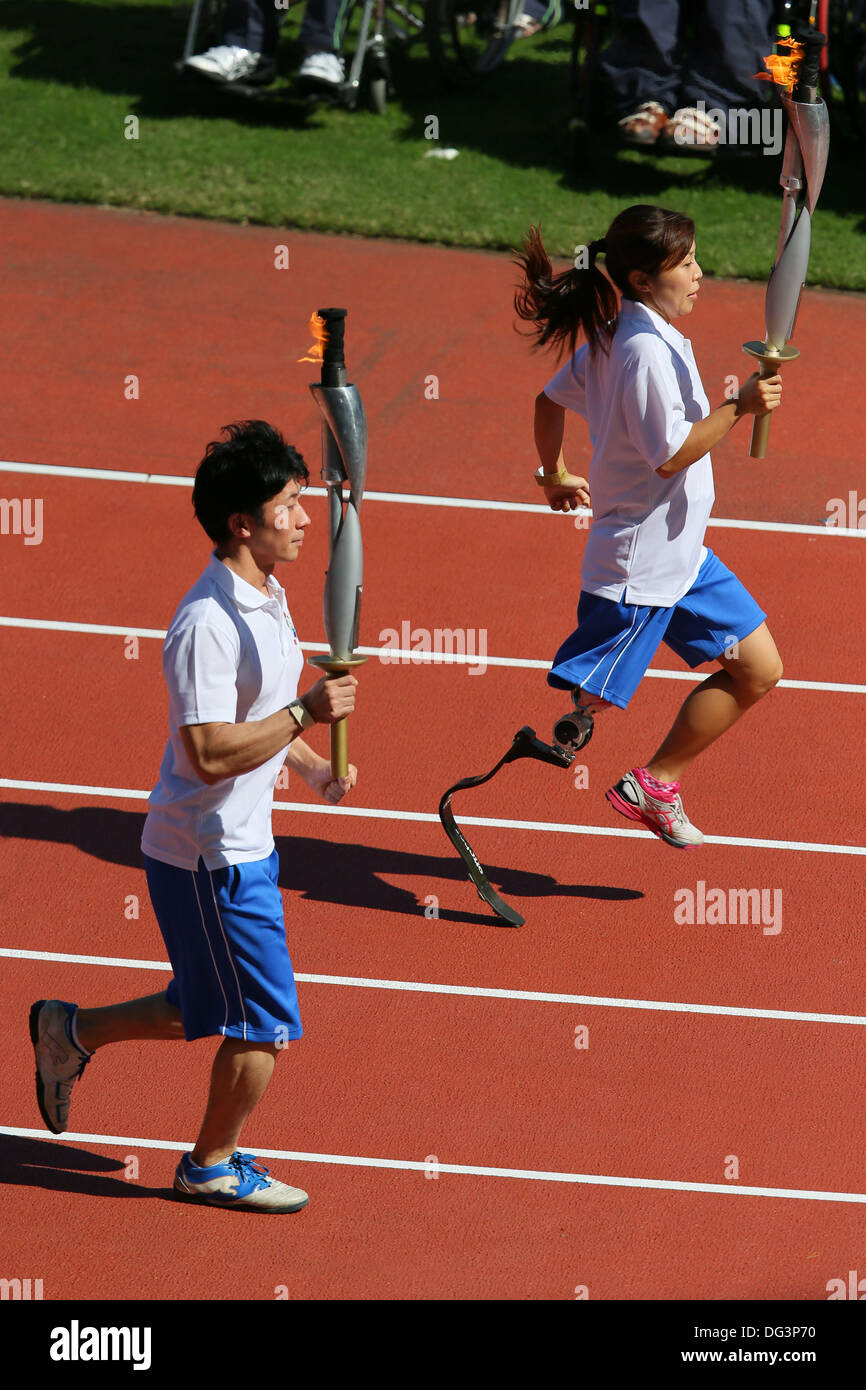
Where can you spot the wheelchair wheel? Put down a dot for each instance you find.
(379, 94)
(469, 38)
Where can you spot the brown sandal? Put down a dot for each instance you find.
(643, 126)
(691, 131)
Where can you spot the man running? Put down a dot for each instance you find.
(231, 662)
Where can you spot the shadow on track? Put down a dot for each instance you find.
(319, 870)
(63, 1168)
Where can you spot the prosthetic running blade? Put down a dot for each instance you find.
(525, 744)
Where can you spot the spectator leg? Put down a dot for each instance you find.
(251, 24)
(324, 24)
(640, 63)
(729, 39)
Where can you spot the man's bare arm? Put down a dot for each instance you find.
(218, 751)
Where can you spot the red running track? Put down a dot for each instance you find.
(406, 1075)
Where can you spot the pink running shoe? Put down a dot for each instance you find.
(656, 805)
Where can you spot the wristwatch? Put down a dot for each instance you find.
(301, 715)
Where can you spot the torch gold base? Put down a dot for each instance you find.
(333, 664)
(771, 359)
(338, 666)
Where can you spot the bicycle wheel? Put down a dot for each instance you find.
(469, 38)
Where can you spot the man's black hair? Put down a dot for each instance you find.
(241, 472)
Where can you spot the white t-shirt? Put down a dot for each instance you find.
(645, 544)
(230, 655)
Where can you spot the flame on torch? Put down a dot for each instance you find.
(783, 71)
(319, 330)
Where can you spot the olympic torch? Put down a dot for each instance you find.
(344, 461)
(803, 165)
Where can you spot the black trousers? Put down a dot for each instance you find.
(677, 52)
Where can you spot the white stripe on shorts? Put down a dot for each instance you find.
(210, 948)
(229, 954)
(624, 650)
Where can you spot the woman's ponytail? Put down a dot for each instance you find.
(642, 238)
(559, 306)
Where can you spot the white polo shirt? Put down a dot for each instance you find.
(645, 544)
(231, 655)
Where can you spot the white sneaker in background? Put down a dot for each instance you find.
(226, 63)
(323, 69)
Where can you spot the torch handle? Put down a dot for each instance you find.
(761, 423)
(335, 666)
(339, 749)
(771, 359)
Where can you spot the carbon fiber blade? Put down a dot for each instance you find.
(482, 883)
(525, 744)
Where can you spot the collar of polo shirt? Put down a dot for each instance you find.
(244, 595)
(635, 308)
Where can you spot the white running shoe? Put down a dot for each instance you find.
(662, 814)
(59, 1063)
(226, 63)
(323, 69)
(241, 1181)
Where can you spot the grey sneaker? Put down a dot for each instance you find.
(59, 1063)
(664, 817)
(239, 1182)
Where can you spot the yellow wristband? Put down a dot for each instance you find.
(551, 479)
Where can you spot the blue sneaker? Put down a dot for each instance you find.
(239, 1182)
(59, 1063)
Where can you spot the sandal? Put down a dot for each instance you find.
(691, 131)
(526, 25)
(643, 126)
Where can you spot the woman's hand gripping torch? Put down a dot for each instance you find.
(803, 165)
(344, 460)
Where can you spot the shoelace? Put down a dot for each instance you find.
(84, 1058)
(249, 1170)
(84, 1061)
(672, 813)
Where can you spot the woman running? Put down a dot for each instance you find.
(647, 575)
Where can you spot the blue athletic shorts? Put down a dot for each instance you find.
(608, 653)
(226, 940)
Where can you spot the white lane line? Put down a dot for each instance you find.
(417, 499)
(66, 958)
(471, 991)
(463, 1169)
(430, 817)
(402, 655)
(97, 629)
(74, 789)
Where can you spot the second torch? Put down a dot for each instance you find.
(344, 461)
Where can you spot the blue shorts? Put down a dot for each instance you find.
(608, 653)
(226, 940)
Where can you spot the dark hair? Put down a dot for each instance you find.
(239, 474)
(643, 237)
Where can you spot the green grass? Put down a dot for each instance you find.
(73, 70)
